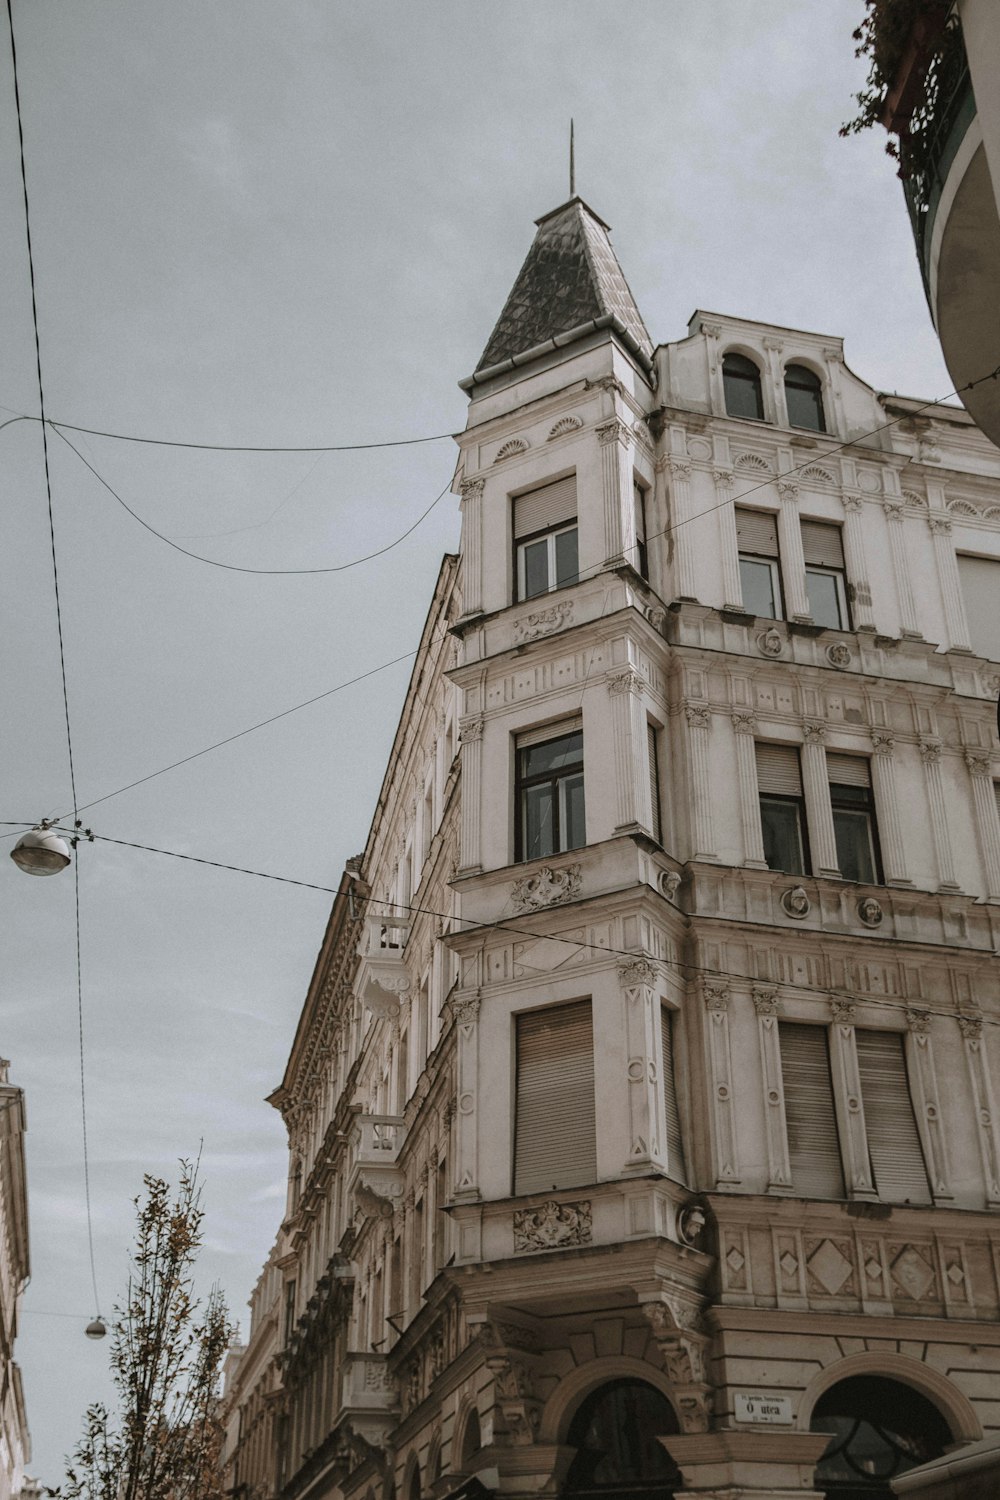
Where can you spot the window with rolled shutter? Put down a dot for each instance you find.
(544, 509)
(654, 781)
(822, 544)
(893, 1141)
(980, 581)
(848, 770)
(778, 770)
(675, 1141)
(555, 1133)
(996, 796)
(757, 532)
(810, 1115)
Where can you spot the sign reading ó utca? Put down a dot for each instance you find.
(776, 1410)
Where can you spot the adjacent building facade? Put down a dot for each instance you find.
(15, 1444)
(642, 1129)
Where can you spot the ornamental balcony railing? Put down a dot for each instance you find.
(374, 1179)
(383, 977)
(930, 108)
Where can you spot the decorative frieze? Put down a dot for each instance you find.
(552, 1226)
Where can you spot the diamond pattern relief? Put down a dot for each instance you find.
(829, 1267)
(735, 1261)
(912, 1274)
(955, 1274)
(873, 1270)
(788, 1263)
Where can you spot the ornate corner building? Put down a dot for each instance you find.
(642, 1131)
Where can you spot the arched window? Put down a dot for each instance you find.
(615, 1435)
(879, 1428)
(413, 1483)
(804, 398)
(741, 384)
(471, 1441)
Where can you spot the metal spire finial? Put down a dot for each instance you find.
(572, 162)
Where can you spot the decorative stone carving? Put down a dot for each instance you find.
(894, 510)
(472, 489)
(691, 1223)
(680, 468)
(918, 1021)
(930, 751)
(795, 902)
(788, 489)
(814, 734)
(553, 1226)
(563, 426)
(838, 655)
(939, 525)
(626, 681)
(870, 912)
(716, 995)
(466, 1009)
(547, 887)
(669, 883)
(510, 449)
(698, 717)
(978, 762)
(543, 622)
(637, 971)
(883, 743)
(853, 502)
(971, 1027)
(765, 999)
(744, 722)
(614, 432)
(470, 730)
(769, 642)
(842, 1012)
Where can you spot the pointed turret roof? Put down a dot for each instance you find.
(570, 279)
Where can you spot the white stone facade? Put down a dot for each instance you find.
(444, 1322)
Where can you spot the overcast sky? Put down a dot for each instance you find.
(270, 223)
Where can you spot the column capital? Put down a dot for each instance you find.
(679, 467)
(883, 743)
(637, 973)
(628, 680)
(614, 432)
(971, 1027)
(716, 995)
(894, 510)
(978, 762)
(472, 489)
(918, 1021)
(470, 730)
(698, 715)
(788, 489)
(813, 733)
(842, 1012)
(939, 525)
(744, 722)
(930, 751)
(765, 999)
(853, 503)
(723, 479)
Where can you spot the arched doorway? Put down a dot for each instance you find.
(615, 1433)
(878, 1429)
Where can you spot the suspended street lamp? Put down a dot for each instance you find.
(96, 1329)
(41, 852)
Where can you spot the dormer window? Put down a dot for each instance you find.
(546, 555)
(804, 398)
(741, 385)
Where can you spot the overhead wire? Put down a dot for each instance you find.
(506, 926)
(318, 697)
(59, 628)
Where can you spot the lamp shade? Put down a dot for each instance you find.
(96, 1329)
(40, 852)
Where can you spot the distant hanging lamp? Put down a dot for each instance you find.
(96, 1329)
(41, 852)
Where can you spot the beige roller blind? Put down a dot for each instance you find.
(546, 732)
(654, 781)
(996, 794)
(544, 509)
(675, 1141)
(822, 544)
(555, 1138)
(893, 1142)
(980, 580)
(757, 532)
(848, 770)
(813, 1142)
(778, 769)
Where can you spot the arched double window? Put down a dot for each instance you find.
(878, 1429)
(615, 1434)
(741, 387)
(804, 398)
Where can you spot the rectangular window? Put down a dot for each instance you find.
(826, 586)
(641, 553)
(545, 538)
(854, 825)
(891, 1126)
(980, 581)
(654, 781)
(760, 575)
(782, 808)
(549, 807)
(675, 1141)
(555, 1138)
(289, 1309)
(810, 1115)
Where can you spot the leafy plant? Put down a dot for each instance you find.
(883, 37)
(165, 1362)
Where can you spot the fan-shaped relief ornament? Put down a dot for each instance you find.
(510, 449)
(963, 508)
(563, 426)
(910, 497)
(752, 463)
(815, 475)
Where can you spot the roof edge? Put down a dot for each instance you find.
(560, 341)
